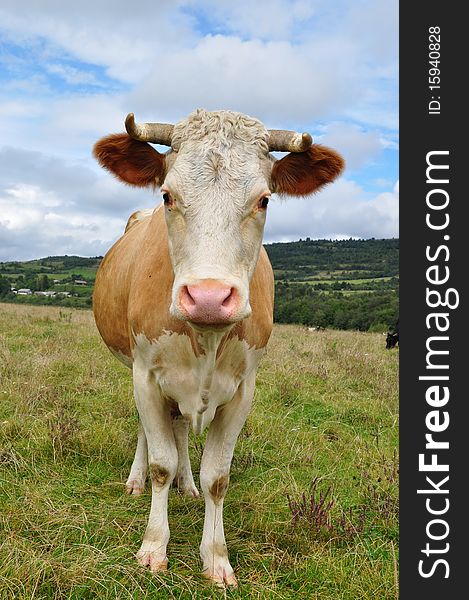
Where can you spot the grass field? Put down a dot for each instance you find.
(324, 422)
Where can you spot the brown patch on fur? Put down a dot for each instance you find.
(218, 550)
(158, 475)
(218, 488)
(301, 173)
(174, 409)
(133, 162)
(240, 369)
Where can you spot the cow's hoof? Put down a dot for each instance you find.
(135, 487)
(222, 575)
(154, 560)
(223, 582)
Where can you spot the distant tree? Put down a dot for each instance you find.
(4, 286)
(43, 283)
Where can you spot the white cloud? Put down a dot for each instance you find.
(66, 126)
(273, 81)
(358, 147)
(115, 34)
(272, 65)
(72, 75)
(340, 211)
(263, 19)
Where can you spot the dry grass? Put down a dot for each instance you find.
(325, 411)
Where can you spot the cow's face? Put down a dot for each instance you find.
(216, 187)
(216, 193)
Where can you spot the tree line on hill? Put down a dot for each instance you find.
(365, 311)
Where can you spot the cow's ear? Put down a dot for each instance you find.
(133, 162)
(302, 173)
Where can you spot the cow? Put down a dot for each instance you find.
(392, 337)
(185, 298)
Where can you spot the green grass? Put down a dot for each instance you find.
(325, 407)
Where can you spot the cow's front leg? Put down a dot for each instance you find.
(162, 464)
(214, 478)
(138, 472)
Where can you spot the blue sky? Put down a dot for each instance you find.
(70, 73)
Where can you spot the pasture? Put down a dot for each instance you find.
(312, 508)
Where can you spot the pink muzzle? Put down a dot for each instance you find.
(209, 302)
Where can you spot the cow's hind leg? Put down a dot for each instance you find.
(138, 472)
(214, 478)
(162, 465)
(184, 478)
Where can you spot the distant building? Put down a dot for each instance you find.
(24, 292)
(47, 293)
(80, 282)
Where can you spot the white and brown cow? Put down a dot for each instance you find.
(185, 298)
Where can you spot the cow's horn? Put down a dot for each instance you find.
(288, 141)
(157, 133)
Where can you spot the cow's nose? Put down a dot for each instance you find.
(209, 302)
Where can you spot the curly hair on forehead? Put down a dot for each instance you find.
(222, 127)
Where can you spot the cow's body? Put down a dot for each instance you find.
(392, 337)
(185, 299)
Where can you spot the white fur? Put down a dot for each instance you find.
(138, 472)
(187, 378)
(216, 461)
(162, 454)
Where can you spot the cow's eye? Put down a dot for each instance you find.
(168, 200)
(263, 202)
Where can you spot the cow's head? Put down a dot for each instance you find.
(216, 181)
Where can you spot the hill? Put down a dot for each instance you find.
(346, 284)
(335, 260)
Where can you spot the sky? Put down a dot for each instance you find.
(70, 73)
